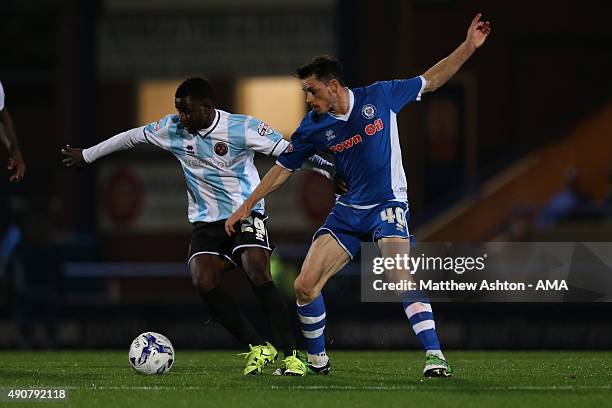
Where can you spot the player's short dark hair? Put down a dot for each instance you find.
(324, 68)
(196, 88)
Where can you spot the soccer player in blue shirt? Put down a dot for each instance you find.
(359, 127)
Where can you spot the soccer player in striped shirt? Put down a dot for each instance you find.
(215, 149)
(359, 127)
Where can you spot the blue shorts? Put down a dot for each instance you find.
(351, 226)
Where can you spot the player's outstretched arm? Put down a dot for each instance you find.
(9, 138)
(273, 179)
(77, 157)
(444, 70)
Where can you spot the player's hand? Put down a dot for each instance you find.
(16, 164)
(239, 215)
(340, 186)
(478, 31)
(74, 157)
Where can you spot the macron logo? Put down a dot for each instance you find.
(347, 144)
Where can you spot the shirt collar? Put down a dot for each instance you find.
(345, 117)
(213, 125)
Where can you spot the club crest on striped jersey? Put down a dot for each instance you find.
(368, 111)
(221, 149)
(264, 129)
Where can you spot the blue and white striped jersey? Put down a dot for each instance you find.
(217, 161)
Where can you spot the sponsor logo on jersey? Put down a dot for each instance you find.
(264, 129)
(210, 162)
(189, 147)
(372, 128)
(368, 111)
(330, 135)
(347, 144)
(220, 149)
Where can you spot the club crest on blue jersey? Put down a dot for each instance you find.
(330, 135)
(221, 149)
(368, 111)
(264, 129)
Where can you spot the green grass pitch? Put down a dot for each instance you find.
(358, 379)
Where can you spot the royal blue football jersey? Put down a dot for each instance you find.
(364, 142)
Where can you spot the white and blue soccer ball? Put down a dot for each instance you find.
(151, 353)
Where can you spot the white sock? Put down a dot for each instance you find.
(318, 360)
(437, 353)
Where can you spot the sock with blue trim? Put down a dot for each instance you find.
(417, 306)
(312, 319)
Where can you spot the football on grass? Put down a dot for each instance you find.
(151, 353)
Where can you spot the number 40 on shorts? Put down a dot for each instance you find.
(394, 215)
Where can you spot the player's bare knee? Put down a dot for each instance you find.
(256, 264)
(203, 279)
(204, 282)
(259, 275)
(304, 291)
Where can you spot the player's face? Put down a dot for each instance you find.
(320, 96)
(193, 114)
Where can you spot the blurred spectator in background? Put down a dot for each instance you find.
(35, 268)
(606, 205)
(568, 204)
(10, 236)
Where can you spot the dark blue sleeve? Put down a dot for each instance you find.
(400, 92)
(297, 152)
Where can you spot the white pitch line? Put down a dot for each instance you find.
(423, 387)
(449, 388)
